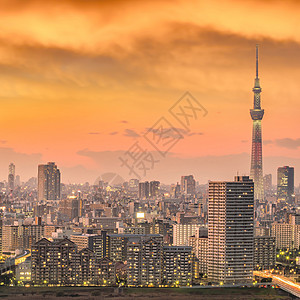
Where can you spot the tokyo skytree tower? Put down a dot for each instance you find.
(257, 114)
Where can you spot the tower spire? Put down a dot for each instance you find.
(257, 45)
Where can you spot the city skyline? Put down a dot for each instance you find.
(95, 92)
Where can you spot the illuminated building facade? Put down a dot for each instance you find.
(177, 265)
(230, 231)
(145, 261)
(264, 252)
(285, 183)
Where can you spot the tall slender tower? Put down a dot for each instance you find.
(257, 114)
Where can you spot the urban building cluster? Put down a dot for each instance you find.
(56, 234)
(146, 233)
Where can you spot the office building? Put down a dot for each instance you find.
(230, 231)
(188, 185)
(144, 190)
(48, 182)
(285, 183)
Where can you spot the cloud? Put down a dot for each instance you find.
(288, 143)
(172, 132)
(124, 121)
(131, 133)
(267, 142)
(204, 168)
(114, 133)
(94, 133)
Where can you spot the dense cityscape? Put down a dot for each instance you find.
(148, 234)
(202, 204)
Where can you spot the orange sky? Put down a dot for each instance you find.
(81, 80)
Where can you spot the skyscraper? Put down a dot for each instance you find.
(188, 185)
(257, 114)
(144, 190)
(285, 183)
(11, 176)
(48, 182)
(230, 231)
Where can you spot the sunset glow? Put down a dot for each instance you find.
(80, 81)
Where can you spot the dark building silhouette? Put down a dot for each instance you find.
(48, 182)
(285, 183)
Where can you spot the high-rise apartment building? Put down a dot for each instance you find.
(286, 235)
(230, 231)
(182, 233)
(264, 252)
(145, 261)
(10, 238)
(285, 183)
(11, 176)
(48, 182)
(177, 265)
